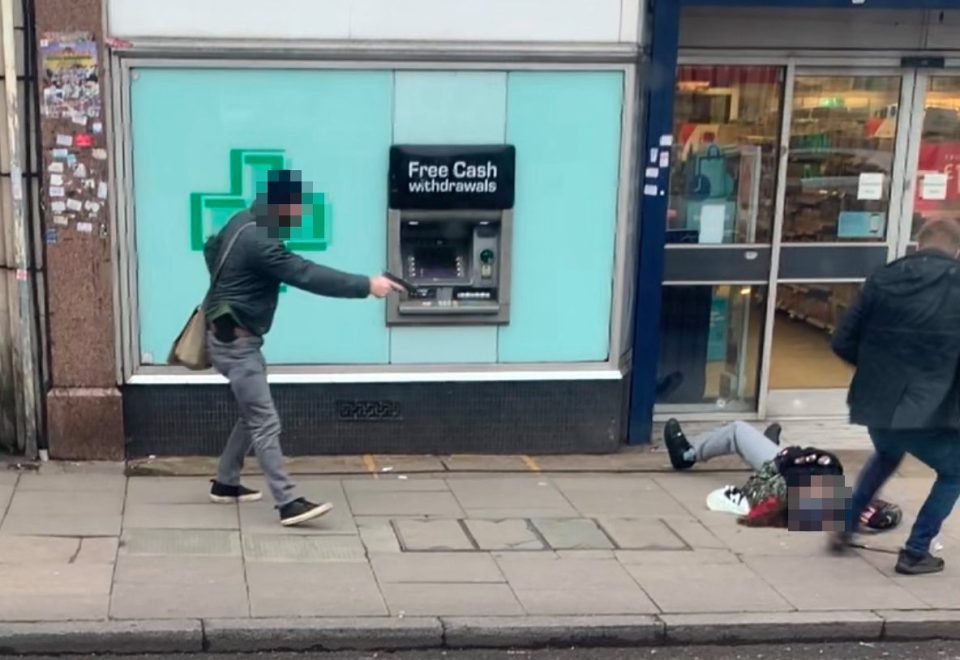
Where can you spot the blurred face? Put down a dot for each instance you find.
(289, 214)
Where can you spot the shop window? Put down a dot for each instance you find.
(807, 315)
(938, 182)
(710, 341)
(842, 136)
(723, 179)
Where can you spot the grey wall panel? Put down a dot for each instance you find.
(833, 29)
(830, 263)
(751, 264)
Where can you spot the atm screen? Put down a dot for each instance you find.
(436, 262)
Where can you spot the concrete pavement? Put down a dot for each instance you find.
(91, 560)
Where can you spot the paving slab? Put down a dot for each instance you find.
(393, 484)
(54, 579)
(424, 535)
(630, 459)
(120, 637)
(572, 534)
(320, 589)
(304, 549)
(935, 591)
(405, 463)
(575, 586)
(181, 516)
(451, 599)
(151, 600)
(98, 550)
(321, 634)
(511, 497)
(179, 570)
(504, 535)
(759, 627)
(629, 496)
(550, 632)
(485, 463)
(8, 478)
(404, 504)
(61, 525)
(81, 503)
(377, 535)
(929, 624)
(38, 549)
(436, 567)
(719, 588)
(676, 557)
(32, 607)
(168, 490)
(832, 583)
(180, 542)
(641, 534)
(72, 483)
(694, 534)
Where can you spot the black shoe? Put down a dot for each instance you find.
(773, 433)
(677, 445)
(909, 563)
(224, 494)
(840, 543)
(301, 510)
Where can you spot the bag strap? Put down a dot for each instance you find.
(226, 253)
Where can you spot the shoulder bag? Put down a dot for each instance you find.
(190, 347)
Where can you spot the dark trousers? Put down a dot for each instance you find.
(937, 448)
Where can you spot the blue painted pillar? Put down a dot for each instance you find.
(661, 83)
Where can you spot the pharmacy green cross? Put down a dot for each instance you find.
(209, 212)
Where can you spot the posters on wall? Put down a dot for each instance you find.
(70, 83)
(72, 103)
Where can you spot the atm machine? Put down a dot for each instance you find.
(449, 230)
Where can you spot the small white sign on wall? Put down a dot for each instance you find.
(934, 186)
(870, 187)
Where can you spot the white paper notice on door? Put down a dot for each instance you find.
(934, 186)
(712, 219)
(871, 186)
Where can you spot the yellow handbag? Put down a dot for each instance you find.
(190, 347)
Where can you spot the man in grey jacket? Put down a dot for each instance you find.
(240, 309)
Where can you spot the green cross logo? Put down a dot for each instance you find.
(209, 212)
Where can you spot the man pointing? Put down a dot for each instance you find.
(240, 309)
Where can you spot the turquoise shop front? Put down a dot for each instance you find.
(198, 142)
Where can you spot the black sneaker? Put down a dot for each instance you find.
(909, 563)
(840, 542)
(677, 445)
(773, 433)
(224, 494)
(301, 510)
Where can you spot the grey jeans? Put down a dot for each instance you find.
(241, 362)
(737, 438)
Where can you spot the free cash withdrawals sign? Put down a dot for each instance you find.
(450, 177)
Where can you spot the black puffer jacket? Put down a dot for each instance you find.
(903, 336)
(249, 285)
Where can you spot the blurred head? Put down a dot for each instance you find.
(285, 197)
(942, 235)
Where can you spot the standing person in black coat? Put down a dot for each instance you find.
(903, 336)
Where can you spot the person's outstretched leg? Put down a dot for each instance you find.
(754, 447)
(939, 450)
(737, 438)
(886, 458)
(242, 363)
(226, 488)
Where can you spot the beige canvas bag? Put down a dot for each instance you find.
(190, 347)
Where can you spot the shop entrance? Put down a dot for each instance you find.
(789, 185)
